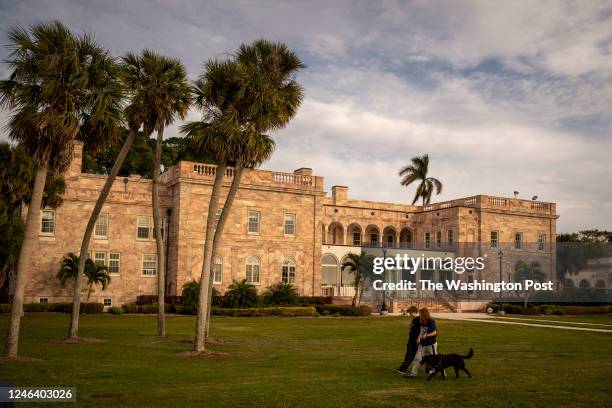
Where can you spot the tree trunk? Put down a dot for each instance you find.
(73, 331)
(229, 201)
(161, 256)
(200, 335)
(32, 228)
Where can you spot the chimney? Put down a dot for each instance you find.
(304, 171)
(339, 194)
(76, 164)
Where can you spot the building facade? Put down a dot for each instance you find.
(282, 227)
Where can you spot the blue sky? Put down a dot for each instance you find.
(504, 96)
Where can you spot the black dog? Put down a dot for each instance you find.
(438, 362)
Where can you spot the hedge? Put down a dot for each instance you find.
(5, 308)
(86, 308)
(152, 299)
(116, 310)
(265, 311)
(344, 310)
(551, 309)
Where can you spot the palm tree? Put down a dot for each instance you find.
(61, 88)
(95, 272)
(241, 98)
(241, 294)
(417, 171)
(159, 93)
(528, 271)
(357, 264)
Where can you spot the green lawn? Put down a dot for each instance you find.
(592, 320)
(304, 362)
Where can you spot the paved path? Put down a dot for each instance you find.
(481, 317)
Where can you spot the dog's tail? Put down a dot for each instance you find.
(469, 355)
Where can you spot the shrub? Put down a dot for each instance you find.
(63, 308)
(265, 311)
(241, 295)
(130, 308)
(116, 310)
(5, 308)
(190, 294)
(90, 308)
(344, 310)
(315, 300)
(86, 308)
(185, 309)
(146, 299)
(36, 307)
(281, 294)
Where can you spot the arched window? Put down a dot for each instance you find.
(288, 272)
(346, 276)
(329, 269)
(252, 269)
(218, 269)
(584, 284)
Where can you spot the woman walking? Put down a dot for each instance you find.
(427, 343)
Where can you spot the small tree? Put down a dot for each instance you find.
(95, 272)
(241, 294)
(281, 294)
(357, 264)
(528, 271)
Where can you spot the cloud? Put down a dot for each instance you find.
(504, 96)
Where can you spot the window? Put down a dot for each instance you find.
(439, 239)
(144, 227)
(149, 265)
(252, 270)
(114, 262)
(541, 242)
(100, 258)
(218, 270)
(357, 238)
(47, 222)
(254, 217)
(43, 300)
(108, 302)
(101, 228)
(518, 240)
(374, 238)
(288, 272)
(427, 240)
(450, 237)
(289, 224)
(494, 239)
(329, 270)
(218, 216)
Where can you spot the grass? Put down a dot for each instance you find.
(308, 362)
(593, 320)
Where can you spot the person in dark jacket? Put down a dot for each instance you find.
(427, 341)
(413, 334)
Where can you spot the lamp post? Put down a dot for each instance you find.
(500, 255)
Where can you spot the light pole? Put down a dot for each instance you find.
(500, 255)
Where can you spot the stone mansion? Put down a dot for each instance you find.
(282, 227)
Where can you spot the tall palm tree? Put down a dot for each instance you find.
(242, 98)
(417, 171)
(95, 272)
(357, 264)
(61, 88)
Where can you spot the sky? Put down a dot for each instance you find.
(503, 96)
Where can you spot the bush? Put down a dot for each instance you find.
(116, 310)
(315, 300)
(130, 308)
(551, 309)
(185, 309)
(241, 295)
(152, 299)
(5, 308)
(265, 311)
(90, 308)
(36, 307)
(343, 310)
(86, 308)
(281, 294)
(63, 308)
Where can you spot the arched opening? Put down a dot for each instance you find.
(600, 284)
(217, 270)
(329, 270)
(569, 283)
(252, 270)
(389, 237)
(406, 238)
(584, 284)
(354, 235)
(335, 234)
(288, 271)
(372, 236)
(346, 276)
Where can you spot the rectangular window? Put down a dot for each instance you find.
(450, 238)
(541, 242)
(47, 222)
(357, 238)
(149, 265)
(427, 240)
(44, 300)
(100, 258)
(108, 302)
(289, 224)
(101, 228)
(374, 239)
(518, 240)
(439, 239)
(144, 227)
(217, 271)
(254, 217)
(218, 216)
(114, 262)
(252, 273)
(494, 239)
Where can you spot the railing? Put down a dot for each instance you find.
(337, 290)
(536, 205)
(209, 170)
(289, 178)
(498, 201)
